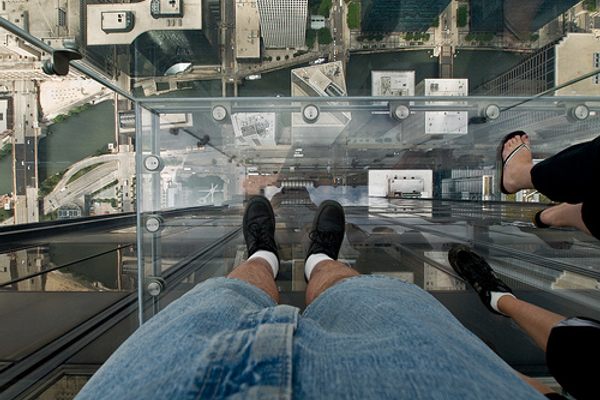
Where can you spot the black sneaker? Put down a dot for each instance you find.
(475, 270)
(327, 233)
(259, 226)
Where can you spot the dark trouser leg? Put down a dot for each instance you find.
(570, 176)
(590, 213)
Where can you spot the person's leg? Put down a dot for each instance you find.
(400, 339)
(569, 176)
(590, 216)
(257, 272)
(564, 177)
(535, 321)
(321, 268)
(166, 356)
(219, 325)
(326, 274)
(537, 385)
(565, 214)
(262, 265)
(567, 342)
(498, 297)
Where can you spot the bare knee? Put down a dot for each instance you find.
(325, 275)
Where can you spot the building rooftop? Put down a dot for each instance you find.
(577, 54)
(392, 83)
(247, 29)
(147, 15)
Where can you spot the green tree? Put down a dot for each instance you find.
(5, 214)
(487, 37)
(59, 118)
(324, 8)
(353, 18)
(462, 16)
(50, 183)
(589, 5)
(5, 150)
(311, 36)
(325, 36)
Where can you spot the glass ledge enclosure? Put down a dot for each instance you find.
(131, 138)
(409, 193)
(410, 188)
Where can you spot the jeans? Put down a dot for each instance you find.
(366, 337)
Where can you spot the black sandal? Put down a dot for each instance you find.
(502, 163)
(537, 220)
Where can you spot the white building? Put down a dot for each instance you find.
(283, 23)
(445, 122)
(577, 54)
(254, 129)
(247, 29)
(407, 183)
(392, 83)
(322, 80)
(121, 23)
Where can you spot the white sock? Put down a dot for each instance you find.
(495, 297)
(312, 261)
(269, 257)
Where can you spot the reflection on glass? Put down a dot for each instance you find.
(393, 108)
(68, 268)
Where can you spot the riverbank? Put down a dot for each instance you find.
(75, 138)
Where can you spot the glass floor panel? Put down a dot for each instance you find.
(394, 109)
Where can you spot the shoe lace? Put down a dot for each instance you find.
(261, 233)
(323, 236)
(489, 281)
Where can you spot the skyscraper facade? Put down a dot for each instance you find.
(400, 15)
(283, 23)
(515, 16)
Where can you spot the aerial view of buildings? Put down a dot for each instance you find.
(158, 46)
(172, 113)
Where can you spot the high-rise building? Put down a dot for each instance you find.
(400, 15)
(552, 65)
(515, 16)
(486, 16)
(283, 23)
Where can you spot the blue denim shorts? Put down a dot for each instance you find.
(366, 337)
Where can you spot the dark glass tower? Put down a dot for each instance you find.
(400, 15)
(516, 16)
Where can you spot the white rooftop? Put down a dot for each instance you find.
(173, 16)
(392, 83)
(247, 29)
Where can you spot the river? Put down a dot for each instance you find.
(82, 135)
(476, 65)
(76, 138)
(67, 142)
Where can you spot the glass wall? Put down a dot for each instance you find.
(123, 179)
